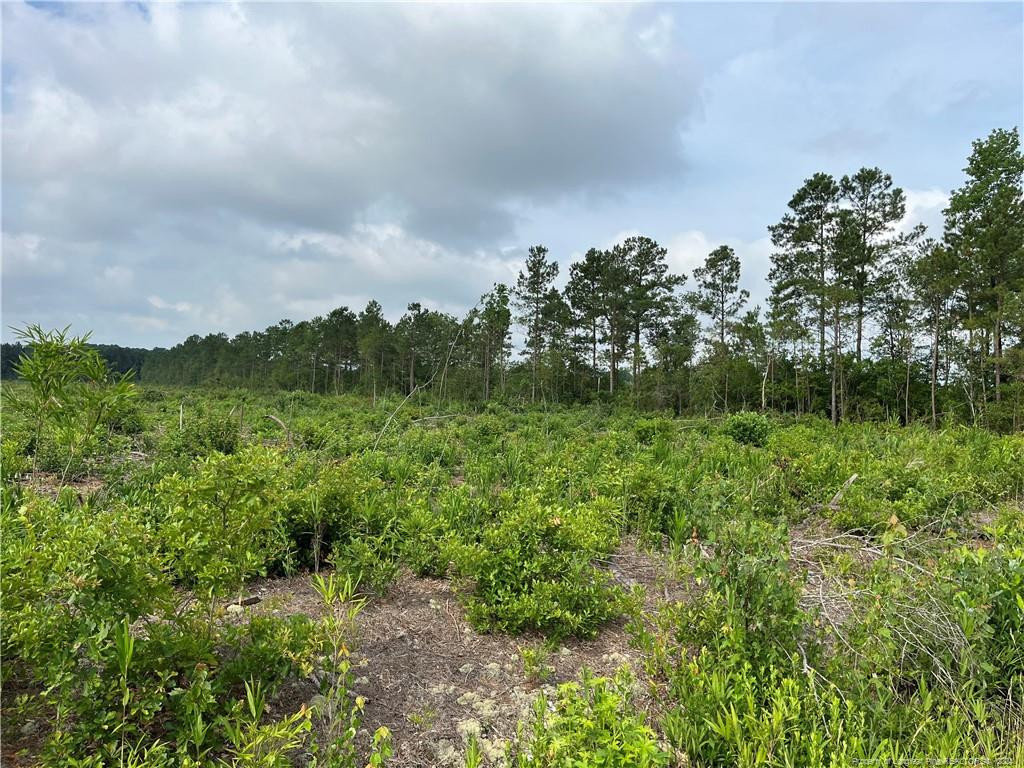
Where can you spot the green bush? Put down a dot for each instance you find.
(592, 723)
(747, 428)
(202, 434)
(221, 522)
(533, 570)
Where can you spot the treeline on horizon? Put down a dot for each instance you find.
(863, 320)
(119, 359)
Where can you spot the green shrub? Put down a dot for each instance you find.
(13, 461)
(202, 434)
(533, 570)
(748, 428)
(592, 723)
(221, 522)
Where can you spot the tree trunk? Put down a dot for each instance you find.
(835, 364)
(935, 366)
(997, 344)
(906, 387)
(860, 322)
(764, 383)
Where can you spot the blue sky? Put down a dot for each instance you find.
(174, 170)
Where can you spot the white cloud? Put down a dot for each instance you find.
(177, 306)
(389, 151)
(924, 206)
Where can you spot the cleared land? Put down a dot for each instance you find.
(199, 584)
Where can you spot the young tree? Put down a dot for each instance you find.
(674, 341)
(718, 296)
(375, 344)
(648, 289)
(932, 277)
(613, 300)
(583, 293)
(339, 337)
(805, 242)
(495, 319)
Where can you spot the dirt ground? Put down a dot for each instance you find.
(434, 681)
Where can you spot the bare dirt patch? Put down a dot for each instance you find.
(433, 680)
(49, 484)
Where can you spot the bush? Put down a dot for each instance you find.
(592, 723)
(201, 435)
(221, 522)
(748, 428)
(533, 570)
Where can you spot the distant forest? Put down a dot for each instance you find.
(865, 320)
(119, 359)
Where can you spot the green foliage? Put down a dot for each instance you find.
(220, 523)
(593, 723)
(202, 434)
(13, 461)
(69, 397)
(533, 570)
(747, 428)
(898, 637)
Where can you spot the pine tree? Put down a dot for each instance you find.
(531, 295)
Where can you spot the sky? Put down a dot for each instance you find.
(196, 168)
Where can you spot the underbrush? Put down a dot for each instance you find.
(856, 593)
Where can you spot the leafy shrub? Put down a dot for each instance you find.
(13, 461)
(593, 723)
(422, 534)
(533, 570)
(69, 397)
(69, 569)
(748, 428)
(647, 430)
(750, 605)
(202, 434)
(220, 523)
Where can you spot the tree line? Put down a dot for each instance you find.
(865, 319)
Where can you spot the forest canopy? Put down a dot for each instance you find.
(866, 318)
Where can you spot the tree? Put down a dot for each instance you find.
(985, 228)
(875, 207)
(531, 295)
(613, 303)
(495, 320)
(932, 277)
(648, 288)
(583, 293)
(341, 342)
(374, 333)
(805, 242)
(674, 341)
(718, 294)
(70, 393)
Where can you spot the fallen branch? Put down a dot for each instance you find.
(287, 432)
(834, 504)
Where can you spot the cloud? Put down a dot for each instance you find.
(393, 146)
(688, 249)
(177, 306)
(261, 161)
(924, 206)
(312, 116)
